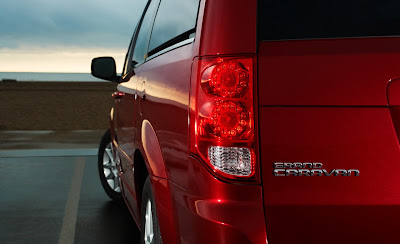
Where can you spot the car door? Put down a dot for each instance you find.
(125, 103)
(124, 118)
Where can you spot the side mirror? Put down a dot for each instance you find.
(105, 68)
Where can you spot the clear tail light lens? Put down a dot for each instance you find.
(231, 160)
(221, 107)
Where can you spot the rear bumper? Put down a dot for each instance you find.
(212, 211)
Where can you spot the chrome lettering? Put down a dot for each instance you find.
(317, 165)
(293, 172)
(279, 172)
(309, 169)
(308, 165)
(341, 172)
(278, 165)
(317, 172)
(328, 174)
(356, 172)
(298, 165)
(288, 165)
(305, 172)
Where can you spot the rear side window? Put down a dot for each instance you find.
(294, 19)
(127, 63)
(142, 39)
(174, 18)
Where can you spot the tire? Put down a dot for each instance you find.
(148, 209)
(108, 170)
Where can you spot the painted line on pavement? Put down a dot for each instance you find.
(47, 153)
(67, 234)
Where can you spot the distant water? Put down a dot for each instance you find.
(25, 76)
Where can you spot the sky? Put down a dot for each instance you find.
(64, 35)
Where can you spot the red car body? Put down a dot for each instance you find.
(330, 100)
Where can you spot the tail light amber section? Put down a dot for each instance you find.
(222, 116)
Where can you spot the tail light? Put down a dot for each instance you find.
(222, 116)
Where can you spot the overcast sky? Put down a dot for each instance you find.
(64, 35)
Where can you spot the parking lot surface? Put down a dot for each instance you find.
(58, 199)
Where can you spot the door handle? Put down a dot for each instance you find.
(118, 94)
(144, 90)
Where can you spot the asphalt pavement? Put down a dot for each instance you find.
(54, 195)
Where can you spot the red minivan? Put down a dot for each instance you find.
(258, 122)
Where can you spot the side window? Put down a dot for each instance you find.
(142, 40)
(175, 19)
(127, 65)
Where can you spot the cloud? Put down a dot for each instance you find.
(55, 59)
(84, 23)
(64, 36)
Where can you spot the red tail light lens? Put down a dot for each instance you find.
(228, 79)
(229, 120)
(221, 102)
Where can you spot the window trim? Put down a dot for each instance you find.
(176, 41)
(172, 47)
(168, 45)
(149, 35)
(128, 57)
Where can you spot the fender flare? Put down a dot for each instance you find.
(158, 176)
(152, 151)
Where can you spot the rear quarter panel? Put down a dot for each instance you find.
(166, 85)
(163, 122)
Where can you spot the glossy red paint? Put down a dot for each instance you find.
(124, 127)
(328, 72)
(328, 101)
(331, 108)
(165, 108)
(393, 96)
(213, 211)
(316, 208)
(158, 95)
(152, 151)
(165, 209)
(393, 92)
(229, 27)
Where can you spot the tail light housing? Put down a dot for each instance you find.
(222, 116)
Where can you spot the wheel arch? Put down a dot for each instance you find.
(151, 163)
(140, 176)
(152, 151)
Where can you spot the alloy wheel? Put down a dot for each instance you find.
(110, 169)
(148, 225)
